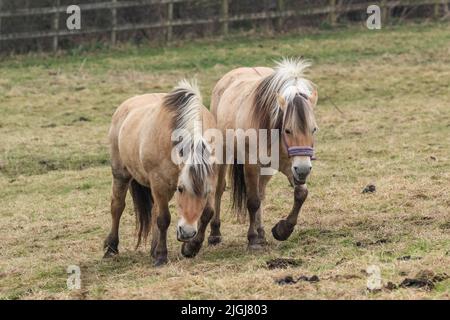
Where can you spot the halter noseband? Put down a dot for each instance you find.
(299, 151)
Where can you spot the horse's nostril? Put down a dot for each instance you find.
(183, 234)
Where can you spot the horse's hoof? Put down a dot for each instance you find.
(110, 252)
(188, 250)
(159, 262)
(111, 245)
(262, 241)
(214, 240)
(255, 247)
(257, 244)
(282, 230)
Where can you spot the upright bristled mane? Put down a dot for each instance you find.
(185, 102)
(288, 74)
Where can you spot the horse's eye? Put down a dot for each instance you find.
(288, 131)
(180, 189)
(314, 130)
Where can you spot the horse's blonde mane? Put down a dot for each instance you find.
(287, 81)
(185, 101)
(190, 111)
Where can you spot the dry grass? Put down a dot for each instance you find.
(392, 87)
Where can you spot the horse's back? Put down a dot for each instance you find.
(126, 125)
(231, 78)
(133, 103)
(231, 95)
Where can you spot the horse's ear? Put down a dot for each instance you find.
(314, 98)
(213, 160)
(177, 157)
(281, 102)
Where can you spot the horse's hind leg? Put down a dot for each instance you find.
(215, 236)
(119, 192)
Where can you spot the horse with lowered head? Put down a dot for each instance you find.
(153, 166)
(279, 99)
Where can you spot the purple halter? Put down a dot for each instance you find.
(299, 151)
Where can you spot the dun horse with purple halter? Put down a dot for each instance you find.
(264, 98)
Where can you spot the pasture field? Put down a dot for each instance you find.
(384, 118)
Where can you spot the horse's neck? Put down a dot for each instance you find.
(257, 109)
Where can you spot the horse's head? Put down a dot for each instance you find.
(297, 130)
(195, 188)
(194, 156)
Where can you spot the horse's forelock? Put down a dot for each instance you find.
(299, 115)
(197, 179)
(198, 169)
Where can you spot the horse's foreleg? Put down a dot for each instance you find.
(284, 228)
(215, 236)
(191, 248)
(253, 205)
(263, 180)
(159, 242)
(119, 192)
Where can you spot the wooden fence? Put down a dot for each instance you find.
(332, 10)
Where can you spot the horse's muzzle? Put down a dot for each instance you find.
(301, 172)
(186, 233)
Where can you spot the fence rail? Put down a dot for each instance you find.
(332, 10)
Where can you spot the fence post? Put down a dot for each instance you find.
(1, 4)
(169, 21)
(333, 12)
(113, 23)
(280, 10)
(384, 11)
(56, 26)
(437, 7)
(225, 12)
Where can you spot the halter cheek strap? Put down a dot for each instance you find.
(299, 151)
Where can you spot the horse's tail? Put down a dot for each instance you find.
(143, 203)
(238, 188)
